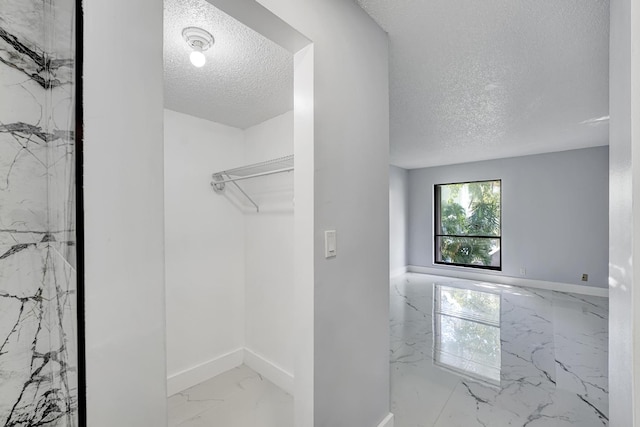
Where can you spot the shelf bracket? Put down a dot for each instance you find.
(270, 167)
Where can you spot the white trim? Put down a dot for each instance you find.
(269, 370)
(398, 271)
(514, 281)
(189, 377)
(387, 422)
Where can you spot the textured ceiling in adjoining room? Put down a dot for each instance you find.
(247, 78)
(473, 80)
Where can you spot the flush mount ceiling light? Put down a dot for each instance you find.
(199, 40)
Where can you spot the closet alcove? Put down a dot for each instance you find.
(229, 221)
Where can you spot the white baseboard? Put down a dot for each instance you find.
(269, 370)
(204, 371)
(514, 281)
(398, 271)
(387, 422)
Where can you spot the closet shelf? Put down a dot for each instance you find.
(256, 170)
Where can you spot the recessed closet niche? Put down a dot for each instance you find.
(228, 199)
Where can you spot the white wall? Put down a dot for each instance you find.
(351, 157)
(554, 214)
(304, 236)
(123, 123)
(123, 114)
(229, 269)
(124, 219)
(398, 219)
(269, 247)
(204, 238)
(624, 221)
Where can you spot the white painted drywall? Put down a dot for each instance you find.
(487, 94)
(304, 236)
(350, 119)
(554, 214)
(624, 215)
(204, 238)
(398, 219)
(124, 214)
(269, 247)
(247, 78)
(351, 183)
(229, 269)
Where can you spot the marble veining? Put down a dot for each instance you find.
(38, 336)
(237, 398)
(49, 72)
(37, 358)
(552, 353)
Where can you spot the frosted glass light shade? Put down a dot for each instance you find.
(197, 58)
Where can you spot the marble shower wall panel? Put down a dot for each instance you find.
(61, 198)
(38, 329)
(61, 296)
(37, 338)
(21, 323)
(23, 159)
(60, 122)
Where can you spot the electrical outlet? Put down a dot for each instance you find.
(523, 271)
(585, 277)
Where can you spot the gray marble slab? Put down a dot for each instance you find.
(237, 398)
(549, 366)
(38, 329)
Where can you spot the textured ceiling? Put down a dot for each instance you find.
(247, 78)
(473, 80)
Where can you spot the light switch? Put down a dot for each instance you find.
(330, 248)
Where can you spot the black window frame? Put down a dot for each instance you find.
(437, 221)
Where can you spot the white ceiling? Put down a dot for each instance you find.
(469, 80)
(247, 78)
(473, 80)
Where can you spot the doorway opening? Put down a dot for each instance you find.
(238, 152)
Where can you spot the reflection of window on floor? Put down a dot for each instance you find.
(466, 335)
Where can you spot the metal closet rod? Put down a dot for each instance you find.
(220, 179)
(255, 175)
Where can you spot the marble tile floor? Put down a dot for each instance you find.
(466, 354)
(236, 398)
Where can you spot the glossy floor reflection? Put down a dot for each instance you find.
(466, 354)
(237, 398)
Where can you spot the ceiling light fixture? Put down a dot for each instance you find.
(199, 40)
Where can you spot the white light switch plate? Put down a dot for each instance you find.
(330, 248)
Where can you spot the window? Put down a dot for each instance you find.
(467, 224)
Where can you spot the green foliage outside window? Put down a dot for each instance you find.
(468, 223)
